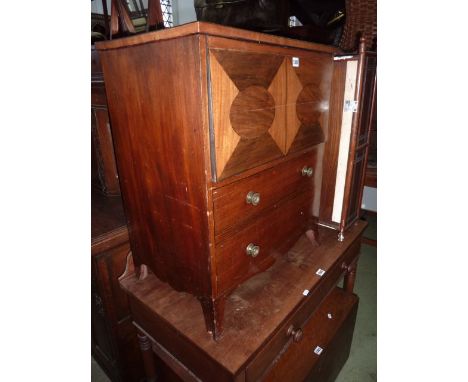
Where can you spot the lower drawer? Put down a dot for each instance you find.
(272, 235)
(323, 348)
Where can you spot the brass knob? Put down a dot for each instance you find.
(296, 334)
(307, 171)
(252, 250)
(253, 198)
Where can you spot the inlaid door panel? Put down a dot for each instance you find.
(308, 91)
(248, 101)
(264, 108)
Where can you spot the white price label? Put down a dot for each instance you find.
(318, 350)
(306, 292)
(295, 62)
(320, 272)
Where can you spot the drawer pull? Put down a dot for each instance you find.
(296, 334)
(307, 171)
(253, 198)
(252, 250)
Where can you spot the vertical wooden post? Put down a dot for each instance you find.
(350, 277)
(148, 358)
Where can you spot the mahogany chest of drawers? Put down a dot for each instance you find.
(226, 144)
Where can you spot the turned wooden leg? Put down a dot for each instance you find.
(350, 277)
(213, 311)
(148, 358)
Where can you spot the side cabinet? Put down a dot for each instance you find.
(113, 337)
(352, 108)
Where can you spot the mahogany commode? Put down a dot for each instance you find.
(219, 138)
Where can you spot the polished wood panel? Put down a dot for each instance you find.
(274, 103)
(276, 89)
(243, 109)
(229, 202)
(308, 93)
(248, 68)
(165, 188)
(224, 92)
(255, 311)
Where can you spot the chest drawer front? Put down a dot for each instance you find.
(325, 343)
(252, 196)
(282, 340)
(273, 234)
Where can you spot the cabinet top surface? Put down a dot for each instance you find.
(213, 30)
(255, 309)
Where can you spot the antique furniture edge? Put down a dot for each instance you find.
(213, 30)
(109, 240)
(129, 282)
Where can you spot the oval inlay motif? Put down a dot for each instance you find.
(252, 112)
(308, 105)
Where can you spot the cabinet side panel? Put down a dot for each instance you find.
(153, 93)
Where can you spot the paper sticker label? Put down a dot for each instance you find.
(295, 62)
(306, 292)
(329, 316)
(318, 350)
(320, 272)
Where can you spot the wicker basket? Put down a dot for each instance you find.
(361, 20)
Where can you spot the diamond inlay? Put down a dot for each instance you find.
(277, 90)
(292, 121)
(224, 93)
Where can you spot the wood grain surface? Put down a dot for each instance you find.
(161, 165)
(213, 30)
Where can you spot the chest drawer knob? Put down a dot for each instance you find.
(307, 171)
(252, 250)
(253, 198)
(296, 334)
